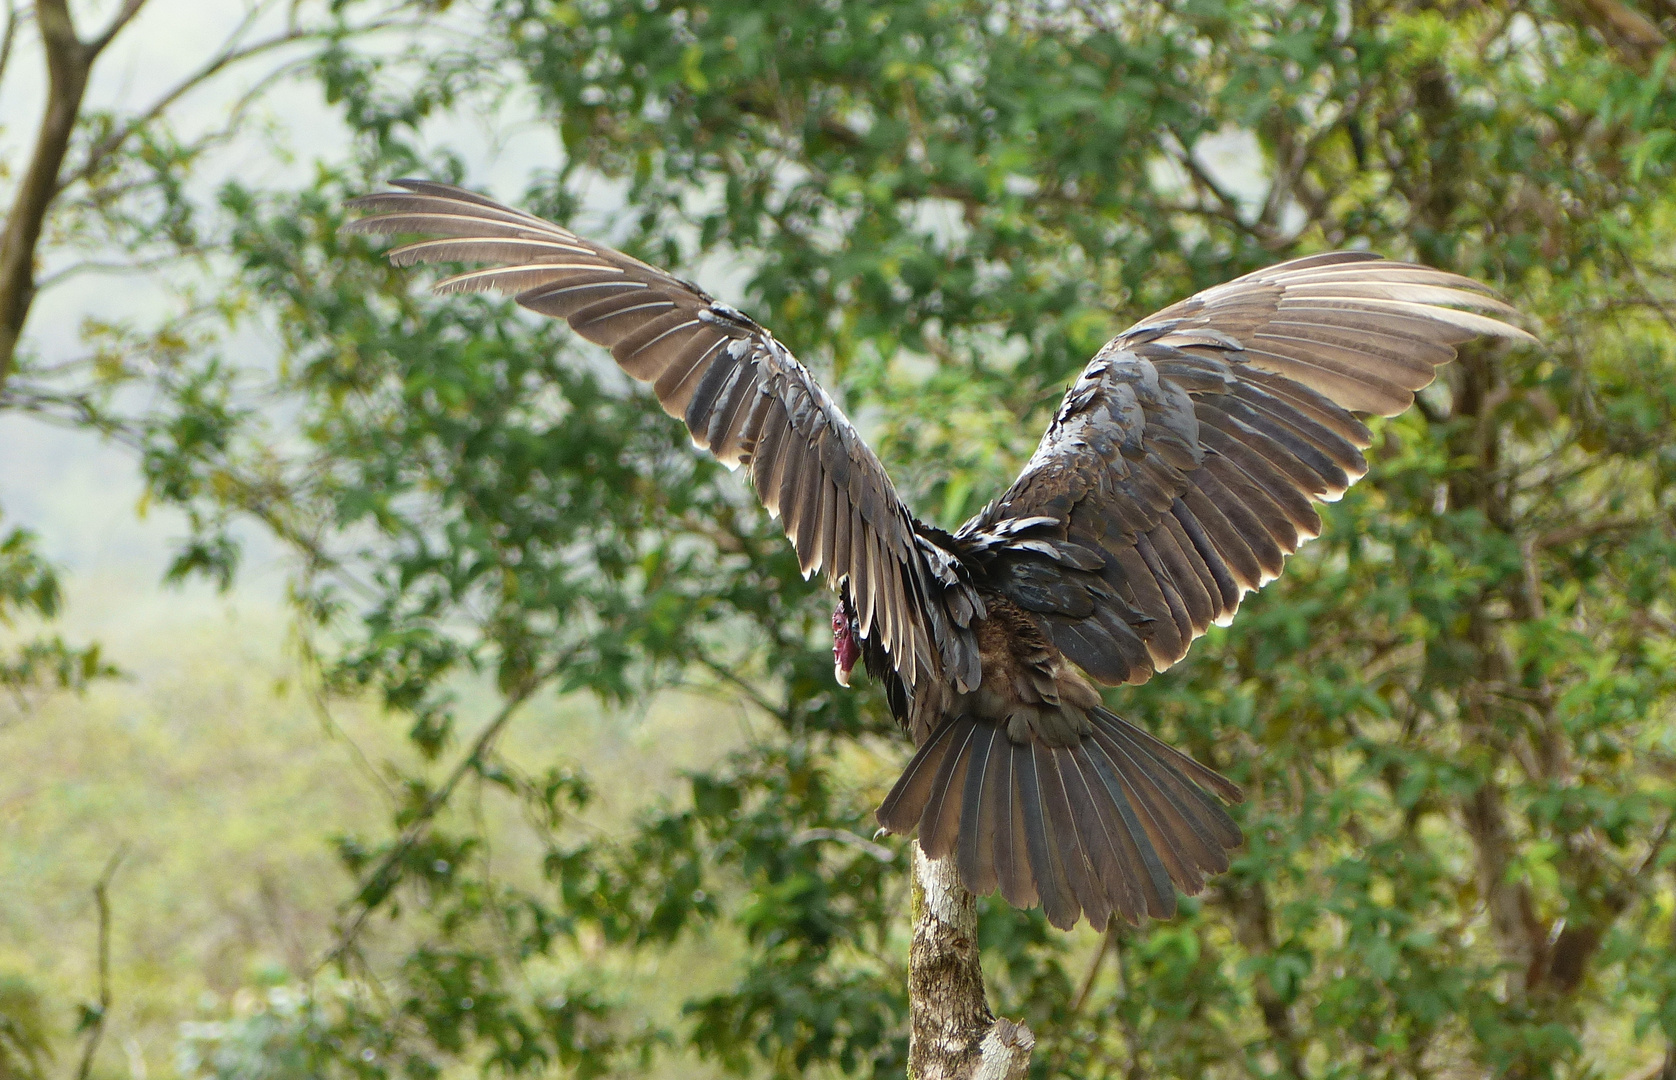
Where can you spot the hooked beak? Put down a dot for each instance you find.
(842, 674)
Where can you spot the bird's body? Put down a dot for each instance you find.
(1177, 475)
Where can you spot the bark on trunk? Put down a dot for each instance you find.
(69, 59)
(952, 1033)
(67, 63)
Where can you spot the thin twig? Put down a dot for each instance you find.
(1107, 944)
(1292, 158)
(101, 899)
(1228, 208)
(868, 847)
(114, 141)
(97, 266)
(81, 410)
(317, 696)
(1650, 298)
(129, 9)
(1646, 862)
(8, 37)
(383, 873)
(744, 687)
(1570, 534)
(227, 57)
(108, 145)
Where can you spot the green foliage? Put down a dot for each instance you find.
(29, 590)
(1451, 715)
(281, 1041)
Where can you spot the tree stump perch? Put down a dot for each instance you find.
(952, 1033)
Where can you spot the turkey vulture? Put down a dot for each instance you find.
(1177, 475)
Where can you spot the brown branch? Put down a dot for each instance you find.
(1640, 875)
(1289, 163)
(1523, 935)
(227, 57)
(1291, 181)
(1667, 1069)
(130, 9)
(96, 266)
(1085, 990)
(1227, 207)
(317, 696)
(722, 672)
(1648, 297)
(102, 899)
(1634, 37)
(263, 499)
(1570, 534)
(1132, 1037)
(1491, 36)
(68, 61)
(1653, 622)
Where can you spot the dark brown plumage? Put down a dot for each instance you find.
(1180, 471)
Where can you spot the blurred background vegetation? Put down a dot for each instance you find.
(487, 730)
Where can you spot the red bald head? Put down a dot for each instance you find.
(846, 643)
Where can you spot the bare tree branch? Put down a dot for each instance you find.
(385, 874)
(861, 844)
(1634, 37)
(96, 1027)
(1206, 183)
(744, 686)
(1523, 935)
(130, 8)
(1248, 902)
(8, 36)
(229, 54)
(1107, 944)
(1221, 204)
(68, 61)
(1570, 534)
(99, 266)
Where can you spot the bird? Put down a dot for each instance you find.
(1183, 466)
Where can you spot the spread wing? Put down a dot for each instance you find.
(1184, 464)
(743, 397)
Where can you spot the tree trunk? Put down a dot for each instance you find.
(952, 1033)
(67, 64)
(69, 59)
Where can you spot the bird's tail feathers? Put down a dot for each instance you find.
(1106, 826)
